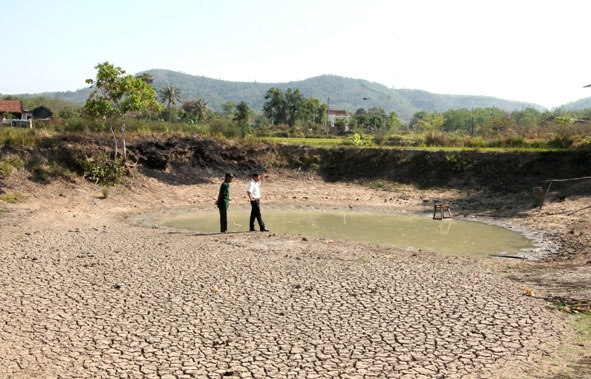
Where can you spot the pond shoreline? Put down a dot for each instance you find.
(180, 219)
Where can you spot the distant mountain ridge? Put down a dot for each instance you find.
(577, 105)
(340, 93)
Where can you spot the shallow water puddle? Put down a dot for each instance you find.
(452, 236)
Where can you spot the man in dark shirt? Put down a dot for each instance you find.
(223, 202)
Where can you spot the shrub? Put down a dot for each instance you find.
(357, 140)
(10, 163)
(436, 140)
(40, 173)
(379, 139)
(44, 173)
(584, 144)
(5, 169)
(560, 142)
(225, 128)
(104, 170)
(475, 142)
(515, 142)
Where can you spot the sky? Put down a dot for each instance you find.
(522, 50)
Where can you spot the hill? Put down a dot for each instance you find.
(577, 105)
(340, 92)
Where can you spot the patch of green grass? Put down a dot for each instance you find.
(5, 169)
(11, 198)
(414, 143)
(319, 142)
(582, 323)
(44, 172)
(22, 136)
(10, 163)
(105, 191)
(570, 363)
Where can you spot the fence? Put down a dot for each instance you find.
(18, 123)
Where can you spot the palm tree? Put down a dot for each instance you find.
(196, 108)
(200, 108)
(171, 96)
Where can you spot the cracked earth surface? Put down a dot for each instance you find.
(91, 289)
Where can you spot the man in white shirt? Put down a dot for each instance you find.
(254, 195)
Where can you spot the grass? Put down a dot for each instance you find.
(22, 136)
(11, 198)
(403, 140)
(344, 141)
(105, 192)
(319, 142)
(578, 363)
(8, 164)
(5, 169)
(582, 324)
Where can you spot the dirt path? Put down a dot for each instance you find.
(87, 292)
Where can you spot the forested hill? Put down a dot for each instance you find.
(341, 93)
(577, 105)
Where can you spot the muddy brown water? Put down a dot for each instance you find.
(418, 232)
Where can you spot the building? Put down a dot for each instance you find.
(13, 114)
(334, 115)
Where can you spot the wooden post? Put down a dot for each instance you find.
(539, 196)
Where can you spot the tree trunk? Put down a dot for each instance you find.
(114, 141)
(124, 147)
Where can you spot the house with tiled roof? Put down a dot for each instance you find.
(14, 107)
(13, 114)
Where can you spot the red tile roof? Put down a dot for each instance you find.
(12, 106)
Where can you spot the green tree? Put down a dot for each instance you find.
(528, 117)
(228, 109)
(492, 121)
(312, 111)
(294, 101)
(431, 122)
(68, 113)
(416, 119)
(146, 78)
(360, 120)
(242, 117)
(114, 94)
(275, 108)
(378, 120)
(395, 122)
(170, 95)
(196, 108)
(457, 119)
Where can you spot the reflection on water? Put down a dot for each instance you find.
(405, 231)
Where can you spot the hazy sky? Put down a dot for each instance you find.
(534, 51)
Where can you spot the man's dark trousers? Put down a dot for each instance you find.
(255, 213)
(223, 219)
